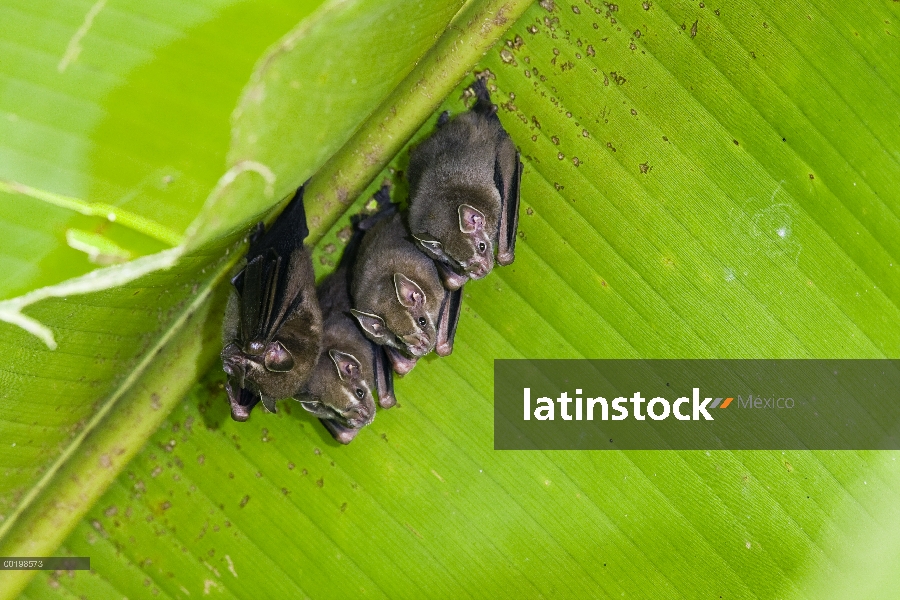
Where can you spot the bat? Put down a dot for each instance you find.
(398, 297)
(350, 366)
(464, 193)
(273, 325)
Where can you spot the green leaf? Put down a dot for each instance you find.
(144, 342)
(700, 181)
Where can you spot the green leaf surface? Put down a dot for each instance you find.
(700, 181)
(66, 406)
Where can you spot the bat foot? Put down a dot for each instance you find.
(506, 258)
(401, 364)
(257, 232)
(444, 118)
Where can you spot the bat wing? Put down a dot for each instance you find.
(448, 319)
(287, 232)
(384, 378)
(507, 178)
(267, 289)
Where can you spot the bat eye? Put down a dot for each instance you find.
(278, 359)
(359, 393)
(422, 322)
(481, 246)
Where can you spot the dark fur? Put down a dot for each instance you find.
(386, 255)
(331, 394)
(469, 161)
(272, 313)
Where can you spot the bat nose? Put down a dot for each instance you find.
(233, 361)
(359, 417)
(478, 269)
(419, 345)
(478, 273)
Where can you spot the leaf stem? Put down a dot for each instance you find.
(148, 227)
(344, 177)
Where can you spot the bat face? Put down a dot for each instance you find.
(273, 324)
(396, 290)
(404, 322)
(257, 361)
(340, 390)
(464, 243)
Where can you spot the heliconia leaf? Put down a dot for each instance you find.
(700, 181)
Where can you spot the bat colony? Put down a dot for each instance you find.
(397, 292)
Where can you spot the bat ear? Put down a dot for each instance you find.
(372, 324)
(347, 365)
(408, 291)
(429, 244)
(315, 406)
(278, 359)
(470, 219)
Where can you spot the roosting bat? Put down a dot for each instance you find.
(398, 298)
(464, 193)
(273, 326)
(350, 366)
